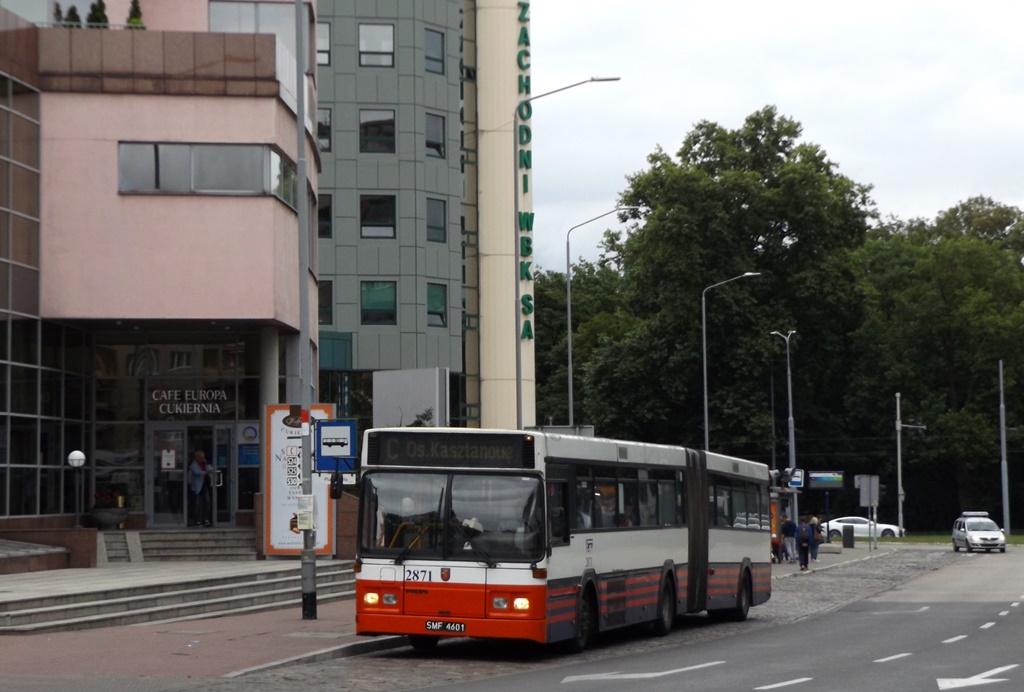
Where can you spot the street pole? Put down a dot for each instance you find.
(1002, 454)
(568, 295)
(308, 555)
(704, 344)
(899, 466)
(527, 113)
(792, 429)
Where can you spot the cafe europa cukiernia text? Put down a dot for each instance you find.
(524, 166)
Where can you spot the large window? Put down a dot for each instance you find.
(152, 167)
(325, 303)
(325, 215)
(437, 221)
(433, 51)
(377, 131)
(323, 128)
(323, 43)
(376, 45)
(437, 305)
(378, 303)
(435, 135)
(377, 216)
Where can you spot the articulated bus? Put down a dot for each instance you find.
(552, 538)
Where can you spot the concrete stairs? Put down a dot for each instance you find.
(200, 597)
(176, 545)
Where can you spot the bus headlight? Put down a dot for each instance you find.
(499, 603)
(390, 599)
(370, 598)
(521, 604)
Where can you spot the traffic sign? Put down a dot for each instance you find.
(796, 478)
(335, 446)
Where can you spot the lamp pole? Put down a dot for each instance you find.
(76, 460)
(899, 461)
(1002, 453)
(789, 395)
(704, 343)
(568, 295)
(526, 110)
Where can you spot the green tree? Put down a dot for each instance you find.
(134, 20)
(97, 17)
(72, 17)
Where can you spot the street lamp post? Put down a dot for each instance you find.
(704, 343)
(899, 460)
(568, 295)
(76, 460)
(527, 110)
(789, 395)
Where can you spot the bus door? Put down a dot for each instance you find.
(697, 523)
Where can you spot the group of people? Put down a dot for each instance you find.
(799, 542)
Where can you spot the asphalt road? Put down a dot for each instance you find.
(785, 633)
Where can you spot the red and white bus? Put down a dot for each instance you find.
(552, 538)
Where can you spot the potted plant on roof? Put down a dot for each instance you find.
(108, 508)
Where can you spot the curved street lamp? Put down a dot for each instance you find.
(704, 341)
(515, 228)
(568, 294)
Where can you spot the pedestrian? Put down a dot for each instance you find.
(199, 484)
(804, 538)
(816, 539)
(788, 530)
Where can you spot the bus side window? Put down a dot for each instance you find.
(584, 505)
(557, 503)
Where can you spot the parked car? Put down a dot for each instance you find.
(861, 528)
(975, 531)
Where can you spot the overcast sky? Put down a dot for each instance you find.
(924, 100)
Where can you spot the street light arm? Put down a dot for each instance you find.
(569, 86)
(735, 278)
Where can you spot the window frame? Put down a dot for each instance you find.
(429, 58)
(325, 302)
(325, 215)
(367, 222)
(324, 135)
(367, 56)
(323, 44)
(435, 148)
(366, 137)
(437, 317)
(389, 316)
(437, 233)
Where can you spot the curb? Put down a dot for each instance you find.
(357, 648)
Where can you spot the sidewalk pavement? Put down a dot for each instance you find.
(215, 647)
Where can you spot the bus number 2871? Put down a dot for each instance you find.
(419, 575)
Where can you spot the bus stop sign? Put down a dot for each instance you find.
(335, 446)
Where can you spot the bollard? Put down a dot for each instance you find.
(847, 536)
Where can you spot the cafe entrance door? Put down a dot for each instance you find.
(170, 448)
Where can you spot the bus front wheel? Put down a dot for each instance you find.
(739, 613)
(586, 623)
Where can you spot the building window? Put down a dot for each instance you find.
(325, 302)
(376, 132)
(435, 135)
(437, 221)
(377, 216)
(323, 43)
(377, 304)
(323, 128)
(433, 51)
(325, 216)
(376, 45)
(152, 167)
(437, 305)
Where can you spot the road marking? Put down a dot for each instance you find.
(1004, 613)
(979, 679)
(987, 625)
(637, 676)
(891, 658)
(1014, 605)
(784, 684)
(954, 639)
(901, 612)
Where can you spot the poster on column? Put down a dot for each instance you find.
(283, 483)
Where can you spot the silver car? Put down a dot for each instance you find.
(975, 531)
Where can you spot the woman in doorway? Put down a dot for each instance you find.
(199, 484)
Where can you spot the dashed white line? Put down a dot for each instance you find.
(777, 685)
(891, 658)
(954, 639)
(987, 625)
(1004, 613)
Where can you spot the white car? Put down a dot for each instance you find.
(975, 531)
(862, 528)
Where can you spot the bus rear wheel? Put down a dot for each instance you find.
(423, 642)
(666, 611)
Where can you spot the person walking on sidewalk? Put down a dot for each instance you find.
(804, 539)
(815, 537)
(788, 530)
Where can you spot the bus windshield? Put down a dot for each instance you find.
(459, 516)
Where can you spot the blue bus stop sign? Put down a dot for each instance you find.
(335, 446)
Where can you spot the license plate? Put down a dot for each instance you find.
(443, 626)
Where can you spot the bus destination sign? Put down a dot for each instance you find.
(446, 449)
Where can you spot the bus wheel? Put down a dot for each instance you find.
(739, 613)
(423, 642)
(666, 611)
(586, 623)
